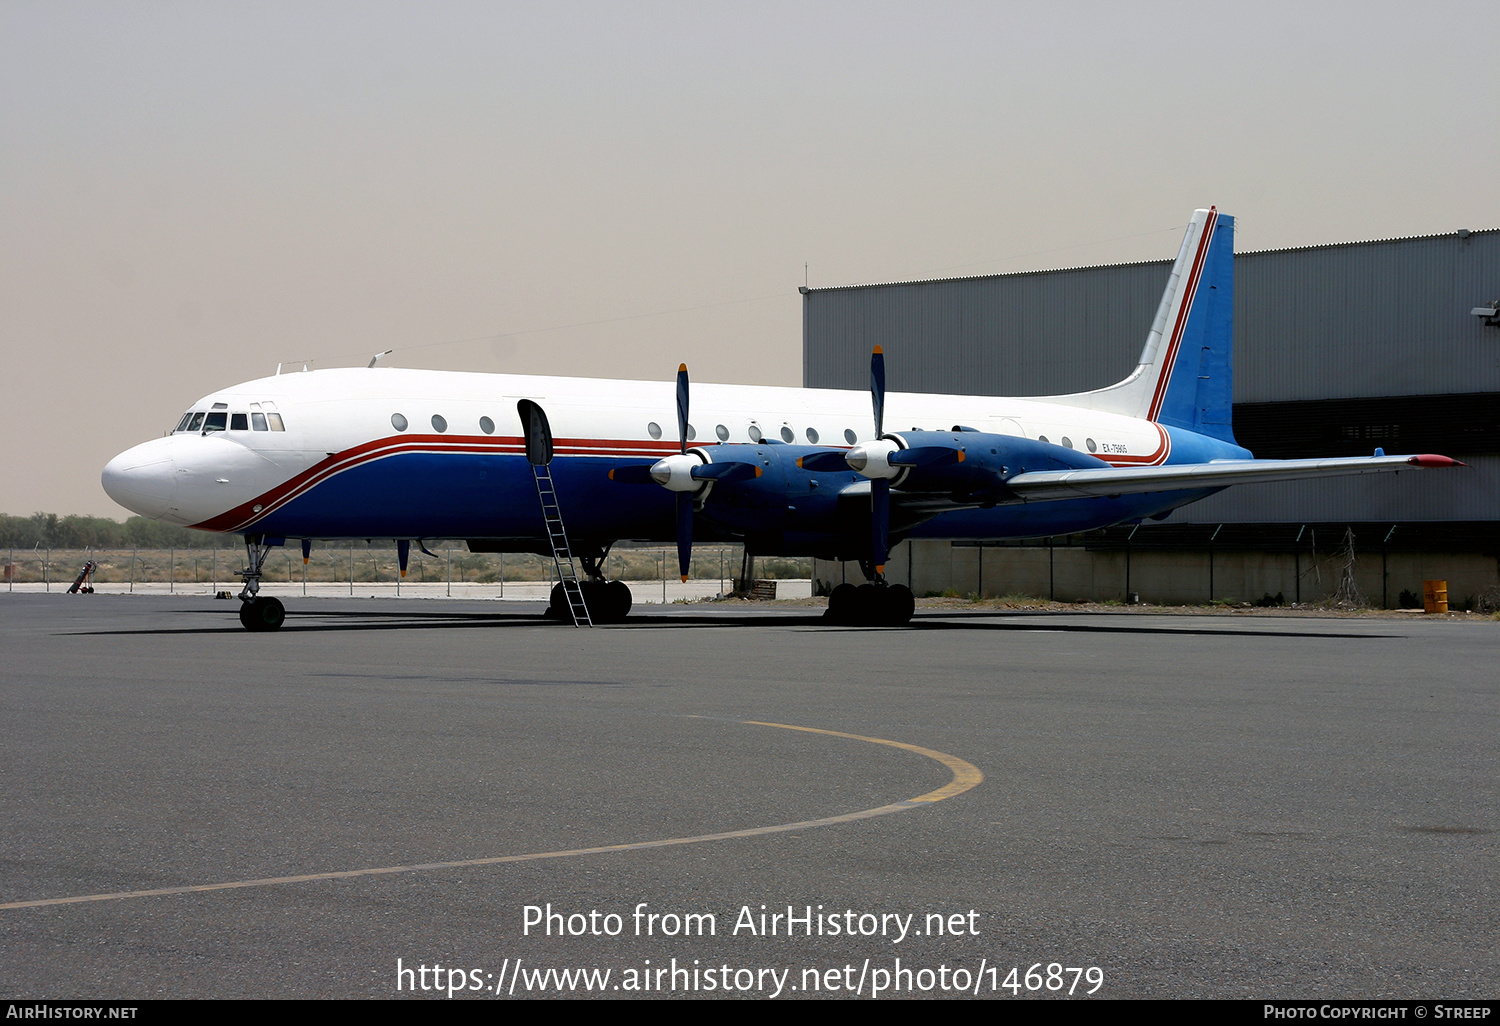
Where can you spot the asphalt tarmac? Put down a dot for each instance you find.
(1141, 806)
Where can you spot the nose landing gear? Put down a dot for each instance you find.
(262, 614)
(256, 613)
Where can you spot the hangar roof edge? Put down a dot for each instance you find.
(1140, 263)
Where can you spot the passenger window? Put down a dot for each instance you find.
(787, 435)
(275, 419)
(486, 425)
(258, 421)
(850, 436)
(812, 435)
(215, 421)
(239, 422)
(197, 422)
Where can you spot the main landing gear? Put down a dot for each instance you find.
(877, 604)
(608, 601)
(257, 613)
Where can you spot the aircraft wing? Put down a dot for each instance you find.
(1070, 484)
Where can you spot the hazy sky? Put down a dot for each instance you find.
(191, 193)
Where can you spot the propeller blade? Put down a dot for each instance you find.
(834, 459)
(924, 456)
(633, 473)
(684, 533)
(725, 472)
(877, 388)
(880, 522)
(682, 405)
(684, 499)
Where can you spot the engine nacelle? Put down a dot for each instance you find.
(766, 493)
(971, 467)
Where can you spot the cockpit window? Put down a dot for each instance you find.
(275, 419)
(196, 423)
(258, 421)
(215, 421)
(239, 422)
(183, 423)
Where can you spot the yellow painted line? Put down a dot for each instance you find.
(966, 776)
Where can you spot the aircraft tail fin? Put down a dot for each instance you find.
(1185, 376)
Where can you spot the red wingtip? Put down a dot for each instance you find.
(1433, 460)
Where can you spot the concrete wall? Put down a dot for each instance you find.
(1074, 574)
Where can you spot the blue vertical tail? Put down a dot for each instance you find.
(1185, 376)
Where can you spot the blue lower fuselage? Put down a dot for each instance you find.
(493, 496)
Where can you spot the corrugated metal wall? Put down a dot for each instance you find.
(1367, 319)
(1360, 319)
(1015, 334)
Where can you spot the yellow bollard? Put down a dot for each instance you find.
(1434, 596)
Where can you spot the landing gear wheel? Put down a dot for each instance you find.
(870, 605)
(897, 604)
(557, 608)
(608, 602)
(262, 614)
(619, 600)
(841, 602)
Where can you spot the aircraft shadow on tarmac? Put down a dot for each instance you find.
(1030, 622)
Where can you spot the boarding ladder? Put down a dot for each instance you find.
(562, 555)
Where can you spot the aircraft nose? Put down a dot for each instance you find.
(143, 479)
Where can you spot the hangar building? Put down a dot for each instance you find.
(1338, 349)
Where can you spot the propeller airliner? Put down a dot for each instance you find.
(505, 460)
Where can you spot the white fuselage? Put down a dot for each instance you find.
(201, 474)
